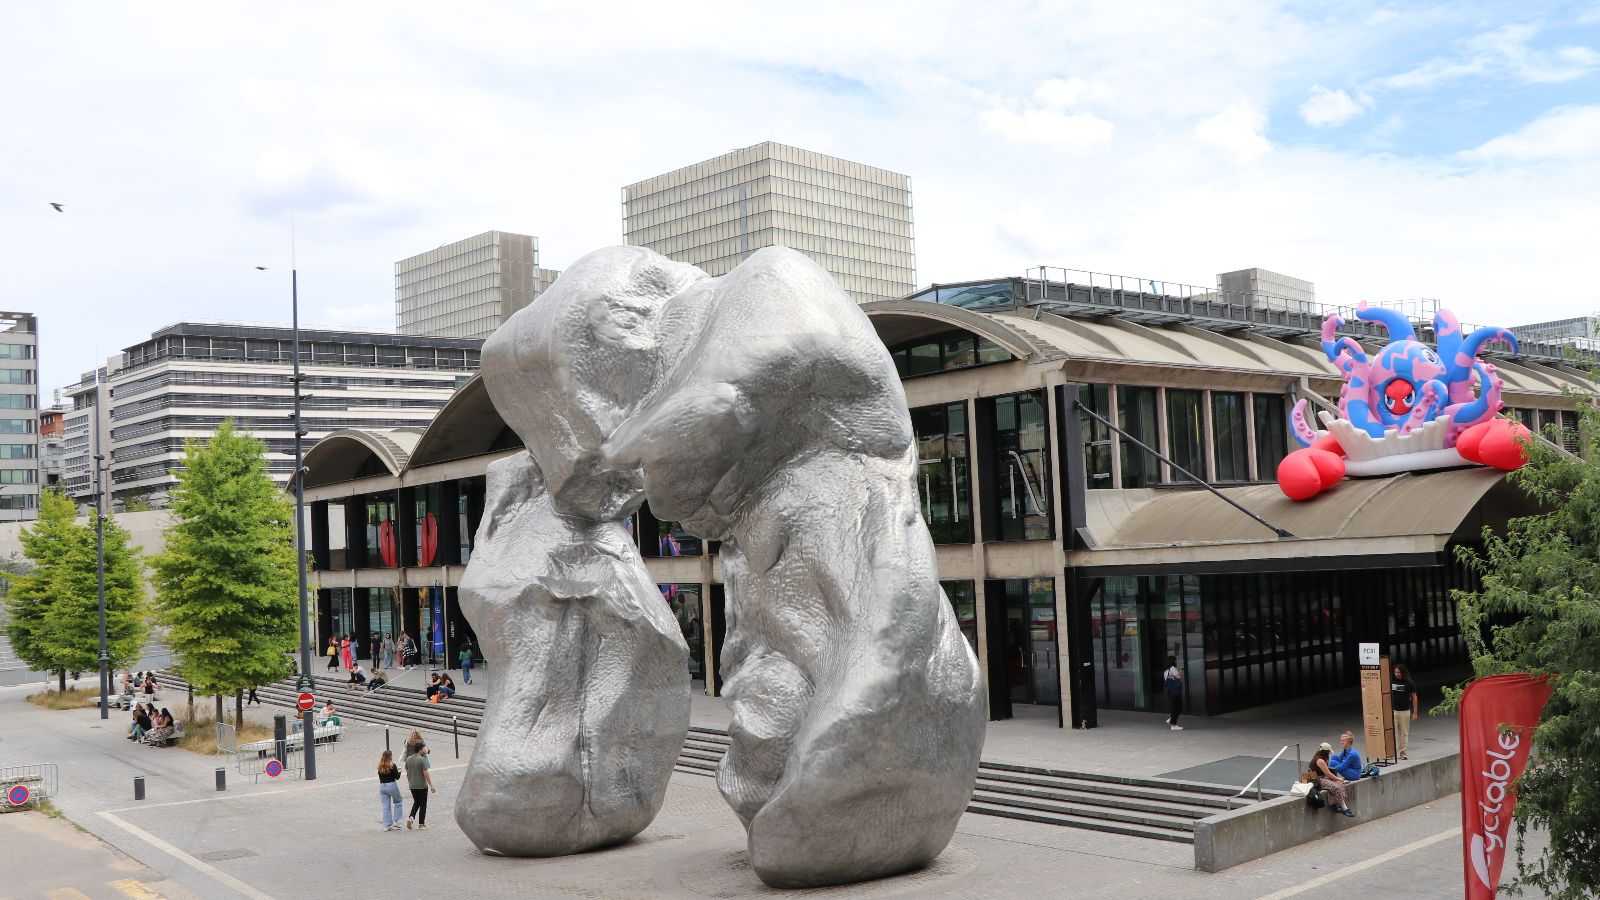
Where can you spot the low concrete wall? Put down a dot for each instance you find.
(1228, 839)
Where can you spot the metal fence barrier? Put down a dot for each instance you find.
(22, 785)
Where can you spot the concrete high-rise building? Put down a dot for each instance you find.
(853, 220)
(186, 378)
(19, 417)
(468, 288)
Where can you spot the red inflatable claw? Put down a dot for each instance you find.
(1468, 441)
(1329, 443)
(1502, 447)
(1306, 473)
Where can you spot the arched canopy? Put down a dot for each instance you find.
(900, 321)
(467, 426)
(342, 455)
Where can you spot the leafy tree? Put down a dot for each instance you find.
(137, 502)
(226, 585)
(1538, 612)
(55, 608)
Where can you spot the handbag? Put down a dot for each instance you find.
(1174, 688)
(1315, 798)
(330, 651)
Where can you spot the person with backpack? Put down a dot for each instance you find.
(1173, 679)
(1324, 779)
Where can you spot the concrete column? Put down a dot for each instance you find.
(1208, 437)
(980, 569)
(1116, 439)
(1161, 433)
(1250, 433)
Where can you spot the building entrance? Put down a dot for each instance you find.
(1029, 642)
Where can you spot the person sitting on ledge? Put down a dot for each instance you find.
(163, 731)
(1346, 762)
(328, 714)
(379, 679)
(358, 676)
(446, 686)
(141, 723)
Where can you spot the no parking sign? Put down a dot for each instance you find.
(274, 768)
(18, 795)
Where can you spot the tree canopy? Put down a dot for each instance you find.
(55, 607)
(226, 585)
(1538, 612)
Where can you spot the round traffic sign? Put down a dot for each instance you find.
(274, 768)
(18, 795)
(307, 701)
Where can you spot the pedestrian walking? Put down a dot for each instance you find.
(252, 698)
(389, 798)
(333, 653)
(1173, 679)
(1403, 693)
(408, 651)
(421, 782)
(344, 652)
(466, 662)
(388, 651)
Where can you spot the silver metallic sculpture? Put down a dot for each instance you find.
(761, 410)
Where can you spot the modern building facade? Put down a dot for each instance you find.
(466, 289)
(853, 220)
(1075, 559)
(187, 378)
(52, 441)
(19, 416)
(1584, 329)
(1270, 290)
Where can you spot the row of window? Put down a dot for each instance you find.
(19, 476)
(247, 401)
(321, 383)
(19, 426)
(685, 187)
(410, 285)
(16, 376)
(1237, 421)
(738, 203)
(318, 352)
(16, 351)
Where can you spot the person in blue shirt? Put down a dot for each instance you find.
(1347, 762)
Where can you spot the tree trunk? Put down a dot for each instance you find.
(219, 709)
(189, 714)
(63, 674)
(238, 709)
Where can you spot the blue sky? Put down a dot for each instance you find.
(1382, 151)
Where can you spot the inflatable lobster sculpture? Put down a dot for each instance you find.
(1406, 409)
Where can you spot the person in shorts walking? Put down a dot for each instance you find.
(421, 784)
(1403, 699)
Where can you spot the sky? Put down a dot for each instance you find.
(1383, 151)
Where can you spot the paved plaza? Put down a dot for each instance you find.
(286, 839)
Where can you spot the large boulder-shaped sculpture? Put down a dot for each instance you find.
(760, 409)
(590, 698)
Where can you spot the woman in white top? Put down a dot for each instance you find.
(1173, 684)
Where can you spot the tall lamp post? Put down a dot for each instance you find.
(305, 683)
(100, 547)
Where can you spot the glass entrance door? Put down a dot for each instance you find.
(1031, 644)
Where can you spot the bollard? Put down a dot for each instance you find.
(386, 737)
(280, 737)
(138, 787)
(455, 724)
(222, 778)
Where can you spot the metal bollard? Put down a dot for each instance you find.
(386, 737)
(280, 736)
(138, 787)
(222, 778)
(455, 725)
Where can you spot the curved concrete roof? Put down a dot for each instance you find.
(467, 426)
(341, 454)
(1110, 339)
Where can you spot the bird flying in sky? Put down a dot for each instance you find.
(262, 268)
(58, 207)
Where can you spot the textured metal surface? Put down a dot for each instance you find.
(590, 698)
(761, 410)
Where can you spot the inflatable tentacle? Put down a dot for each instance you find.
(1447, 331)
(1433, 394)
(1304, 434)
(1398, 325)
(1461, 362)
(1466, 415)
(1330, 341)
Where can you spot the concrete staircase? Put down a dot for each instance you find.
(1155, 808)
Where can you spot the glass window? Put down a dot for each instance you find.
(1136, 414)
(943, 352)
(1272, 435)
(19, 476)
(672, 540)
(16, 401)
(16, 451)
(1021, 468)
(1228, 436)
(1184, 433)
(426, 512)
(1031, 640)
(684, 600)
(980, 296)
(16, 376)
(1096, 436)
(964, 601)
(17, 426)
(382, 536)
(944, 483)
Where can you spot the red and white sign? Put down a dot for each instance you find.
(1491, 762)
(307, 701)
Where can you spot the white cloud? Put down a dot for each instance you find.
(1568, 133)
(1326, 107)
(1505, 51)
(1236, 131)
(1048, 119)
(364, 316)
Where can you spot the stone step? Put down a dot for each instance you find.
(1119, 813)
(1072, 821)
(1175, 809)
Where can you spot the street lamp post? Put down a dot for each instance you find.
(100, 547)
(305, 683)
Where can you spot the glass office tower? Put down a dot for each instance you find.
(468, 288)
(853, 220)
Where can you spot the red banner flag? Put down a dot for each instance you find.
(1491, 761)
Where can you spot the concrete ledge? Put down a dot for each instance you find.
(1230, 838)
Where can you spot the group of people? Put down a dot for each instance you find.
(414, 768)
(440, 687)
(1331, 770)
(139, 683)
(359, 677)
(388, 653)
(152, 726)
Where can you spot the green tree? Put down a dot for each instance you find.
(54, 623)
(225, 587)
(1538, 612)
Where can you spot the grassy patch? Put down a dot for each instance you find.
(200, 736)
(71, 698)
